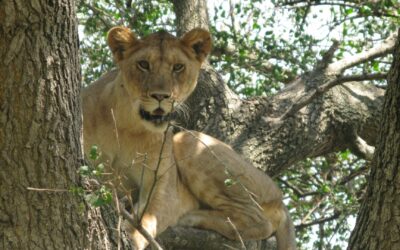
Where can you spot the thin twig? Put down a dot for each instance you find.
(305, 218)
(47, 190)
(140, 184)
(117, 205)
(115, 127)
(237, 232)
(319, 221)
(155, 172)
(140, 228)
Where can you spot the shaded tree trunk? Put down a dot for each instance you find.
(40, 124)
(378, 222)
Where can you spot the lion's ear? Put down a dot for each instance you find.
(120, 39)
(200, 41)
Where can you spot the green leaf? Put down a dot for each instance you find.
(256, 26)
(84, 170)
(99, 198)
(78, 191)
(91, 198)
(375, 66)
(349, 11)
(94, 153)
(99, 169)
(344, 156)
(229, 182)
(325, 189)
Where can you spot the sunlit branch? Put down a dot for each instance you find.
(378, 51)
(312, 94)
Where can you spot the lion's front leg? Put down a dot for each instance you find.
(158, 212)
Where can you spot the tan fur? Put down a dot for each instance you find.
(122, 113)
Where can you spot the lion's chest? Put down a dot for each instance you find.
(134, 162)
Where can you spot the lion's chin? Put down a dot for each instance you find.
(158, 120)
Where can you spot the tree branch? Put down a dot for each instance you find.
(359, 146)
(328, 55)
(99, 14)
(311, 95)
(378, 51)
(335, 215)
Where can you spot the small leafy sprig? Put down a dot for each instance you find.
(97, 193)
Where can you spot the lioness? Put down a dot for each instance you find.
(126, 114)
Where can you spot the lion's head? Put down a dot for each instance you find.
(159, 70)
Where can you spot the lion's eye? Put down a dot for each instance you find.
(143, 65)
(178, 67)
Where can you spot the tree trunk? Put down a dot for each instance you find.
(378, 222)
(190, 14)
(40, 126)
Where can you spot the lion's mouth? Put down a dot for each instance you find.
(158, 117)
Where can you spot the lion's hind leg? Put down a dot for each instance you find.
(228, 223)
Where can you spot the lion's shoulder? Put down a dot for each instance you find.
(100, 83)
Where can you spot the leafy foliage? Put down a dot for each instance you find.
(97, 17)
(324, 195)
(259, 46)
(96, 193)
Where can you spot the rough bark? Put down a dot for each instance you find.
(378, 222)
(258, 129)
(190, 14)
(40, 122)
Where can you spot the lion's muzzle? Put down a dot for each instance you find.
(157, 117)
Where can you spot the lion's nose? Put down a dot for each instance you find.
(159, 97)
